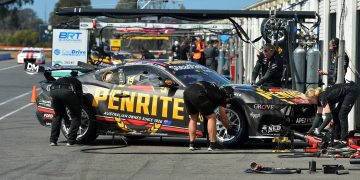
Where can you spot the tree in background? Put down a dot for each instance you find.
(57, 21)
(126, 4)
(8, 13)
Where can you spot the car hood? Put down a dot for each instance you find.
(268, 95)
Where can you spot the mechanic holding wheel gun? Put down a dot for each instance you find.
(66, 92)
(344, 95)
(204, 97)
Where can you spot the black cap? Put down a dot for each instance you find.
(228, 90)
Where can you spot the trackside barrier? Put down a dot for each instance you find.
(5, 56)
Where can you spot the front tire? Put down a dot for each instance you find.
(237, 119)
(87, 130)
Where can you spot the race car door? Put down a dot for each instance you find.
(157, 110)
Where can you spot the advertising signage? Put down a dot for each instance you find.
(69, 46)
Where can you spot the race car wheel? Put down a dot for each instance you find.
(237, 119)
(87, 130)
(274, 29)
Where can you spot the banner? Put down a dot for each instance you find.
(69, 46)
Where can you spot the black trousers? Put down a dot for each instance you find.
(343, 109)
(62, 99)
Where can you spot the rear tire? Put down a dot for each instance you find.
(87, 130)
(237, 118)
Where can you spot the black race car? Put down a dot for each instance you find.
(145, 98)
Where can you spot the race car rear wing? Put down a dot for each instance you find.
(32, 68)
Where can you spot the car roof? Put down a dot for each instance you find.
(160, 62)
(31, 49)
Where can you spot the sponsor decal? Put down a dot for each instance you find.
(159, 134)
(237, 94)
(57, 51)
(254, 115)
(70, 36)
(264, 106)
(45, 103)
(31, 68)
(303, 120)
(284, 95)
(48, 116)
(186, 66)
(71, 52)
(167, 122)
(140, 105)
(269, 129)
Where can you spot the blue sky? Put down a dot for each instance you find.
(44, 7)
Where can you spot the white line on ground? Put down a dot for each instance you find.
(17, 97)
(11, 67)
(13, 112)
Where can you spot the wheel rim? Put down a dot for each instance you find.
(84, 125)
(221, 131)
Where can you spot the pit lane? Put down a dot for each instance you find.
(25, 153)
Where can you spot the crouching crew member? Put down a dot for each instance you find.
(66, 92)
(204, 97)
(344, 95)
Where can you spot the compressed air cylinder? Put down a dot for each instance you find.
(220, 60)
(312, 66)
(299, 56)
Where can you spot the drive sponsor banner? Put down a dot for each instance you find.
(69, 46)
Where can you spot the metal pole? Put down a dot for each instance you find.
(340, 69)
(240, 67)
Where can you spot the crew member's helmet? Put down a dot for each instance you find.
(228, 90)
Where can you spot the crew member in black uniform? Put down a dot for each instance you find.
(204, 97)
(344, 95)
(333, 63)
(269, 67)
(66, 92)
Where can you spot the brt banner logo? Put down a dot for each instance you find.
(70, 36)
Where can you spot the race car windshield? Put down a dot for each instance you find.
(190, 76)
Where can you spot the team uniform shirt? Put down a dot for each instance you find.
(213, 92)
(70, 81)
(334, 94)
(270, 69)
(333, 67)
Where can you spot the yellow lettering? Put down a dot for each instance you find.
(101, 94)
(177, 109)
(143, 105)
(154, 105)
(113, 99)
(165, 105)
(128, 102)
